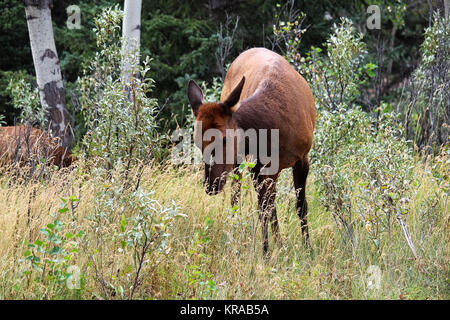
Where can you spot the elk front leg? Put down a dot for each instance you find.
(266, 188)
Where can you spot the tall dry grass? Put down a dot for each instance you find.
(213, 252)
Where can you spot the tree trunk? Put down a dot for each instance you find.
(131, 33)
(46, 64)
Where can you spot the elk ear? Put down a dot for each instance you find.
(234, 96)
(195, 96)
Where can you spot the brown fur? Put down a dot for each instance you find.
(262, 91)
(19, 144)
(283, 100)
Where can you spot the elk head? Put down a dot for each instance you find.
(210, 134)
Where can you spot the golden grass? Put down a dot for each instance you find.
(213, 254)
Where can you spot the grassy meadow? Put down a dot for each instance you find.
(202, 248)
(123, 222)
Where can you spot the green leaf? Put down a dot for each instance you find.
(123, 223)
(58, 225)
(394, 196)
(55, 250)
(73, 199)
(80, 234)
(369, 69)
(62, 210)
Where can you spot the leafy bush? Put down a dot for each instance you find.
(427, 117)
(48, 259)
(354, 156)
(140, 226)
(335, 77)
(26, 100)
(363, 174)
(338, 137)
(119, 130)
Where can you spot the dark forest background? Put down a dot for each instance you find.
(182, 38)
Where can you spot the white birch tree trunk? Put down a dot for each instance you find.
(46, 64)
(131, 34)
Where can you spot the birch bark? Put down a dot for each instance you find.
(131, 34)
(46, 64)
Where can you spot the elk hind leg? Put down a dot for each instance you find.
(300, 172)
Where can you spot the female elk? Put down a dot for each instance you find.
(22, 143)
(263, 93)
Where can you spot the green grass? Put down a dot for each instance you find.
(213, 254)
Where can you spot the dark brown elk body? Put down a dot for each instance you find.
(19, 144)
(261, 91)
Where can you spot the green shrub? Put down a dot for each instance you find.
(362, 166)
(48, 258)
(26, 100)
(140, 227)
(335, 77)
(427, 116)
(119, 130)
(363, 174)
